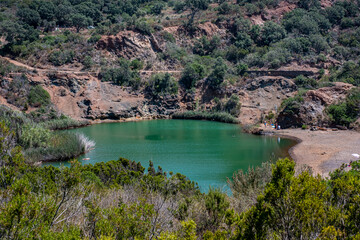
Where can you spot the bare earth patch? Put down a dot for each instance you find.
(323, 151)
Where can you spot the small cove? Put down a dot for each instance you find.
(206, 152)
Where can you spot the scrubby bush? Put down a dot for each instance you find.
(241, 69)
(271, 33)
(59, 58)
(162, 84)
(192, 73)
(168, 36)
(292, 105)
(210, 116)
(217, 76)
(349, 73)
(304, 22)
(143, 26)
(346, 112)
(224, 8)
(122, 75)
(38, 96)
(204, 46)
(319, 43)
(277, 57)
(305, 82)
(88, 62)
(234, 54)
(157, 7)
(231, 105)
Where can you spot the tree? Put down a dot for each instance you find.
(80, 21)
(192, 73)
(162, 84)
(16, 33)
(216, 205)
(47, 10)
(63, 15)
(157, 8)
(218, 74)
(271, 33)
(194, 6)
(204, 46)
(122, 75)
(29, 16)
(308, 4)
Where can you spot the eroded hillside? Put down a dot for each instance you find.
(160, 58)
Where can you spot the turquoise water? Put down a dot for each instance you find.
(206, 152)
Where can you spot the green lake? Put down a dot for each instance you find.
(206, 152)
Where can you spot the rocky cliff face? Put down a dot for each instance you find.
(130, 44)
(312, 110)
(263, 94)
(89, 98)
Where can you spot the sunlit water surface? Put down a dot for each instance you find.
(206, 152)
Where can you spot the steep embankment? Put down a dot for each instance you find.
(82, 95)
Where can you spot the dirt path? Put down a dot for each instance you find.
(69, 71)
(324, 151)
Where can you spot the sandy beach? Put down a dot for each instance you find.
(323, 151)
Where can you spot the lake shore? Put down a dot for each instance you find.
(323, 151)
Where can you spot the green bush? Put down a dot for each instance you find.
(272, 32)
(192, 73)
(94, 38)
(157, 7)
(241, 69)
(234, 54)
(347, 112)
(59, 58)
(204, 46)
(231, 105)
(305, 82)
(38, 96)
(210, 116)
(168, 37)
(217, 76)
(136, 65)
(88, 62)
(60, 146)
(123, 75)
(349, 73)
(162, 84)
(34, 136)
(292, 105)
(143, 26)
(63, 123)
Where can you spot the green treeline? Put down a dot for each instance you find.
(120, 200)
(325, 38)
(210, 116)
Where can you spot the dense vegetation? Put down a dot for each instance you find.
(346, 112)
(38, 141)
(119, 200)
(65, 32)
(210, 116)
